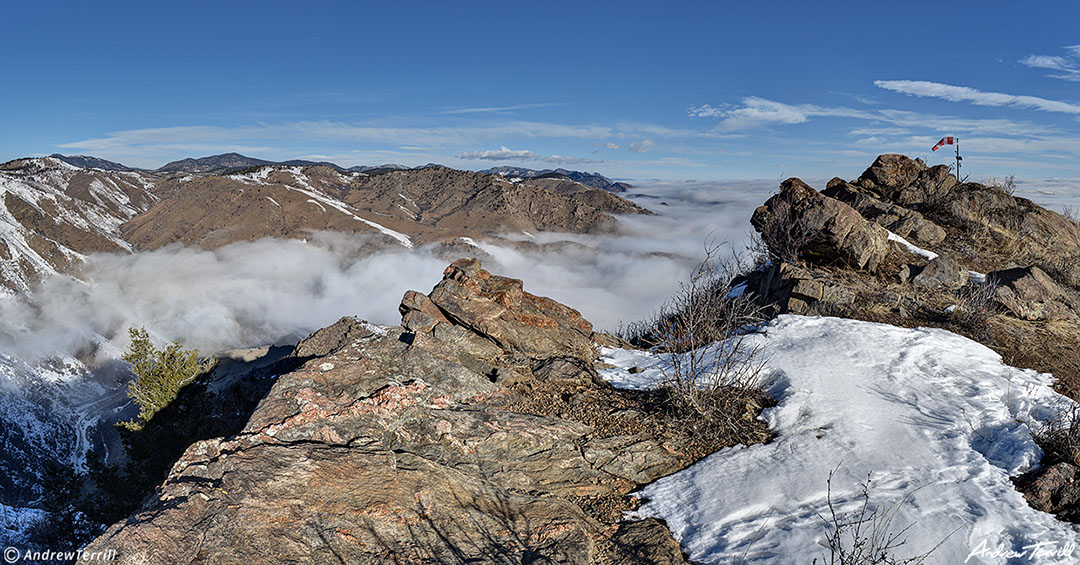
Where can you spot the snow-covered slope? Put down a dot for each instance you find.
(936, 420)
(268, 201)
(53, 213)
(49, 413)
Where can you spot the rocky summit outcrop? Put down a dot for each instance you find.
(902, 221)
(498, 309)
(800, 221)
(1031, 255)
(968, 257)
(422, 444)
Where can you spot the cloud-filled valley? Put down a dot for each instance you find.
(256, 293)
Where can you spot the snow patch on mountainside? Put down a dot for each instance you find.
(15, 521)
(89, 200)
(937, 421)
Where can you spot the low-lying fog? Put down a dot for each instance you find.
(262, 292)
(251, 294)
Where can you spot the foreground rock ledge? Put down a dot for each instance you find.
(401, 444)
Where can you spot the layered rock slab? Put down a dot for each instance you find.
(403, 444)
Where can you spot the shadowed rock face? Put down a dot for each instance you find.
(1029, 294)
(822, 228)
(403, 444)
(902, 221)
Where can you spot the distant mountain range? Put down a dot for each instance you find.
(88, 162)
(595, 180)
(213, 164)
(55, 210)
(227, 163)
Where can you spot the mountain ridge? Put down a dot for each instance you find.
(231, 162)
(53, 213)
(91, 162)
(595, 180)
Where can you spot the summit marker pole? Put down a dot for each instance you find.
(958, 159)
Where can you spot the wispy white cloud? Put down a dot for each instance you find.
(756, 112)
(978, 97)
(982, 126)
(151, 147)
(642, 146)
(998, 148)
(506, 154)
(602, 146)
(883, 130)
(338, 131)
(500, 109)
(1052, 62)
(708, 111)
(502, 154)
(1068, 66)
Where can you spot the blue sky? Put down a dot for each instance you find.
(674, 90)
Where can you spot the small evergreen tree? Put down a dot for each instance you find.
(159, 374)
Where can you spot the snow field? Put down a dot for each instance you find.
(937, 420)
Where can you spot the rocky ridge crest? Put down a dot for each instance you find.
(476, 430)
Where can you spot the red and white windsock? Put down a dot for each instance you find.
(947, 140)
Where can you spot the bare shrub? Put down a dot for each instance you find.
(938, 197)
(1059, 436)
(866, 536)
(1006, 184)
(975, 305)
(712, 377)
(782, 241)
(1071, 214)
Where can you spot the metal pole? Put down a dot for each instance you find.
(958, 177)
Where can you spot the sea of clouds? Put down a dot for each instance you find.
(273, 291)
(270, 291)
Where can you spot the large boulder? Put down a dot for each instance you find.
(942, 272)
(906, 181)
(902, 221)
(1056, 233)
(1030, 294)
(801, 222)
(499, 310)
(973, 203)
(891, 171)
(791, 288)
(933, 183)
